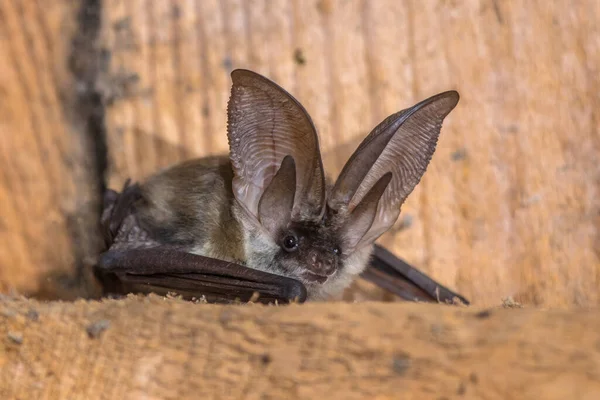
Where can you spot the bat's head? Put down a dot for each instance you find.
(296, 225)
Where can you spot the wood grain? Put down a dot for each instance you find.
(48, 187)
(509, 205)
(152, 348)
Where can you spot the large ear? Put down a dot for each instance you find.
(265, 124)
(402, 144)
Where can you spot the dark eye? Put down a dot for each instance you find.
(290, 243)
(336, 251)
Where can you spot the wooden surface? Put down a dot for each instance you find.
(48, 184)
(508, 207)
(151, 348)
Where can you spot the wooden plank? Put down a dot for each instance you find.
(48, 188)
(509, 206)
(157, 348)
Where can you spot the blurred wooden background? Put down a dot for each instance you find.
(509, 207)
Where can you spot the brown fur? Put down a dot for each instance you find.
(190, 204)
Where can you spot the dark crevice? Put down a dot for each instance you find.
(87, 62)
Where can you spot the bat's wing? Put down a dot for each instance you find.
(163, 270)
(135, 263)
(398, 277)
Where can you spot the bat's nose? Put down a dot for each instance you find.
(322, 265)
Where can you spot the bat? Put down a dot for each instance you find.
(264, 223)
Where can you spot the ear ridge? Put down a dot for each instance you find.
(402, 144)
(265, 124)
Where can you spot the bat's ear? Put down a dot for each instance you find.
(266, 124)
(401, 146)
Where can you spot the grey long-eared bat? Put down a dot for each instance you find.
(265, 221)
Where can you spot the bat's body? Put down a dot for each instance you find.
(190, 207)
(267, 207)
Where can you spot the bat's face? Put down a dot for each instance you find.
(295, 225)
(314, 253)
(311, 251)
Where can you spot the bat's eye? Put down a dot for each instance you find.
(290, 243)
(336, 251)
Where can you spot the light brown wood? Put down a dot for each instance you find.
(152, 348)
(48, 188)
(509, 205)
